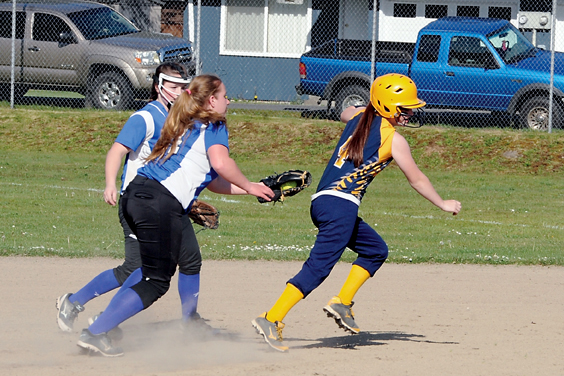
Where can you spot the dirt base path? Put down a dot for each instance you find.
(416, 320)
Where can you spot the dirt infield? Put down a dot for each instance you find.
(416, 320)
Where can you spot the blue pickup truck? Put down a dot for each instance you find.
(457, 63)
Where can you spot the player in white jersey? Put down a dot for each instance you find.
(192, 153)
(135, 142)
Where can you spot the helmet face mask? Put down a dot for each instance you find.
(393, 92)
(162, 89)
(416, 118)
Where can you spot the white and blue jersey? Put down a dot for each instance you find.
(140, 134)
(188, 171)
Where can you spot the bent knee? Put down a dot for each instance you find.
(150, 290)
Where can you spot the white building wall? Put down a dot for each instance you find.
(559, 27)
(406, 29)
(391, 28)
(395, 29)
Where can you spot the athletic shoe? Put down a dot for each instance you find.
(67, 312)
(268, 329)
(343, 314)
(115, 334)
(100, 343)
(196, 325)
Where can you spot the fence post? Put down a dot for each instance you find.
(373, 59)
(197, 51)
(13, 61)
(552, 49)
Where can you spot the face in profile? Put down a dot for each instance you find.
(219, 101)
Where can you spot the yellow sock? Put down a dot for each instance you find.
(289, 298)
(355, 280)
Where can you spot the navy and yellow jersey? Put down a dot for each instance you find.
(341, 178)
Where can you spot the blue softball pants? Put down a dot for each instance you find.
(339, 227)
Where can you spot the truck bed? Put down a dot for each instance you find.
(361, 50)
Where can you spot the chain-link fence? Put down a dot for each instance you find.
(85, 48)
(495, 66)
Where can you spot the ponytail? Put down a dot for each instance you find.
(355, 148)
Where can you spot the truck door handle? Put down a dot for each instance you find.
(450, 74)
(33, 49)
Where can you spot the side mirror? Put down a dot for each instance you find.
(490, 62)
(66, 38)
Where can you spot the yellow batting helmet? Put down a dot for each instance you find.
(393, 90)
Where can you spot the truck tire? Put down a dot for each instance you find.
(353, 95)
(534, 114)
(111, 91)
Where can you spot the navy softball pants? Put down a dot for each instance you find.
(339, 227)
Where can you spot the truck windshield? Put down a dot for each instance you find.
(511, 45)
(100, 23)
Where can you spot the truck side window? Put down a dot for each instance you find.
(48, 28)
(6, 25)
(468, 52)
(429, 46)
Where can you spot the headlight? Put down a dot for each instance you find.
(147, 58)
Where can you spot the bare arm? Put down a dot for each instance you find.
(113, 163)
(349, 112)
(402, 155)
(222, 186)
(231, 180)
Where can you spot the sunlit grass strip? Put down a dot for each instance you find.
(52, 178)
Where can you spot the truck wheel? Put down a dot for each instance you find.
(534, 114)
(353, 95)
(110, 91)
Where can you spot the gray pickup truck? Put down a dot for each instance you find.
(84, 47)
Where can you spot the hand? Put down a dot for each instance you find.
(261, 190)
(110, 195)
(452, 206)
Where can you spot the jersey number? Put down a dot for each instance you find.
(342, 155)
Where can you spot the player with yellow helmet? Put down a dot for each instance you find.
(367, 145)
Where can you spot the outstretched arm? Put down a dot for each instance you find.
(402, 155)
(113, 163)
(222, 186)
(349, 112)
(231, 180)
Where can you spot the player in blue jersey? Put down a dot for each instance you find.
(191, 154)
(367, 145)
(135, 142)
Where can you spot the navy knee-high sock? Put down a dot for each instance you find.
(189, 290)
(101, 284)
(123, 305)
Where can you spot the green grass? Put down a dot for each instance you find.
(509, 182)
(53, 94)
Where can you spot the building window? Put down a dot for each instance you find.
(500, 12)
(402, 10)
(436, 11)
(468, 11)
(536, 6)
(264, 28)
